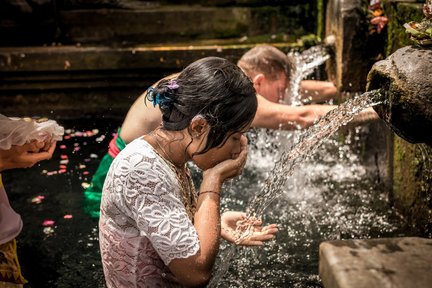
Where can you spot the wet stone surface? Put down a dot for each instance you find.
(406, 76)
(370, 263)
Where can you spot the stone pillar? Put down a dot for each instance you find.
(355, 49)
(406, 76)
(346, 21)
(407, 81)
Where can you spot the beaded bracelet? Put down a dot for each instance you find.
(209, 192)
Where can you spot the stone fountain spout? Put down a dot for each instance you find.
(406, 76)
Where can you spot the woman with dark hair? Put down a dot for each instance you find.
(155, 230)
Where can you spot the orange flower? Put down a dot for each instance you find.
(378, 12)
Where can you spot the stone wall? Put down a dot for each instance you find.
(411, 164)
(56, 55)
(412, 188)
(124, 22)
(400, 13)
(404, 167)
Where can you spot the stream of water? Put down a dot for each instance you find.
(304, 64)
(308, 142)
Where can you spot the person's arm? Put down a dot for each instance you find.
(317, 91)
(26, 155)
(365, 116)
(142, 117)
(279, 116)
(196, 270)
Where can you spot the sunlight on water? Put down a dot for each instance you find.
(331, 196)
(308, 142)
(304, 64)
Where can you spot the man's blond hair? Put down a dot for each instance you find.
(268, 60)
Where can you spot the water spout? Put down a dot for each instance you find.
(407, 76)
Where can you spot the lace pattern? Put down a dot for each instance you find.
(143, 224)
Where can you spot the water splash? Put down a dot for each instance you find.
(304, 64)
(308, 142)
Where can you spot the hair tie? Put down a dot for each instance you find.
(158, 99)
(172, 84)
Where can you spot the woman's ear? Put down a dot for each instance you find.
(198, 126)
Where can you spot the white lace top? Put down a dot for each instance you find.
(143, 221)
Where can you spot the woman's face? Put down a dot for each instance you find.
(230, 149)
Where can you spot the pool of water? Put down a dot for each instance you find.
(65, 254)
(334, 194)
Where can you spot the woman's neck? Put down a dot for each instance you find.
(170, 144)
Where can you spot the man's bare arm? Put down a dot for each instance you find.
(279, 116)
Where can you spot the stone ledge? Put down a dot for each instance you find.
(376, 263)
(69, 67)
(106, 79)
(171, 24)
(77, 58)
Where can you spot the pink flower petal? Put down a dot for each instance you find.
(48, 222)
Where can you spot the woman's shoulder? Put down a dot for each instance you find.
(139, 158)
(140, 148)
(141, 144)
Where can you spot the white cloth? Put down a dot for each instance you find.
(17, 131)
(143, 223)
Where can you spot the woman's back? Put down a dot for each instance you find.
(142, 118)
